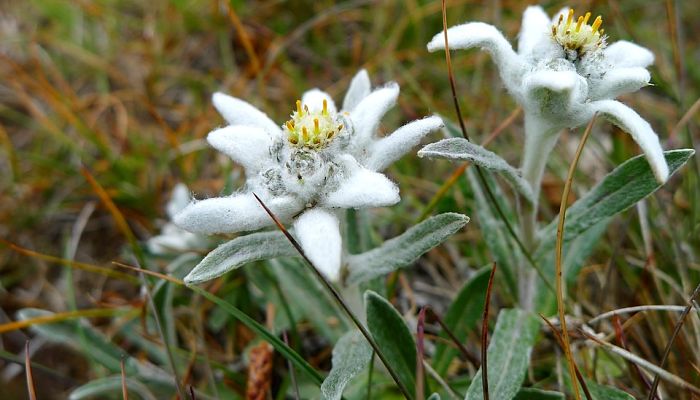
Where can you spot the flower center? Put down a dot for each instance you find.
(579, 36)
(312, 129)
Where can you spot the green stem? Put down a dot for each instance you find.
(540, 138)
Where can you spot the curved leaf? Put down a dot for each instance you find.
(239, 252)
(351, 355)
(393, 338)
(508, 355)
(404, 249)
(110, 385)
(461, 149)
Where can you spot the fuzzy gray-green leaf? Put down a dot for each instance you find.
(238, 252)
(404, 249)
(508, 355)
(461, 149)
(351, 355)
(393, 338)
(619, 190)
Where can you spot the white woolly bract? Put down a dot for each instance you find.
(559, 85)
(238, 112)
(318, 233)
(245, 145)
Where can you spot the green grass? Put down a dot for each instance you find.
(122, 88)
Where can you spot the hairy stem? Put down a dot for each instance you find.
(540, 138)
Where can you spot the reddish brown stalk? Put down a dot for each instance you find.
(485, 335)
(560, 341)
(125, 391)
(28, 367)
(453, 338)
(620, 334)
(561, 306)
(420, 337)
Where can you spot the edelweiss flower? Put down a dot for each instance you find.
(173, 239)
(319, 161)
(563, 73)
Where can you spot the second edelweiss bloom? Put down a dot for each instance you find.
(562, 74)
(319, 161)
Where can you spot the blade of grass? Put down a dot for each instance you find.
(68, 263)
(676, 331)
(420, 351)
(337, 298)
(125, 391)
(620, 334)
(63, 316)
(159, 328)
(485, 335)
(28, 367)
(560, 341)
(561, 307)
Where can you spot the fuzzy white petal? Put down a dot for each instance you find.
(363, 188)
(391, 148)
(246, 145)
(487, 37)
(640, 130)
(179, 199)
(541, 87)
(236, 213)
(627, 54)
(535, 27)
(369, 112)
(359, 88)
(238, 112)
(318, 232)
(314, 100)
(620, 81)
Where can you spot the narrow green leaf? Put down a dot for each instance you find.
(404, 249)
(460, 149)
(111, 385)
(393, 338)
(538, 394)
(619, 190)
(351, 355)
(239, 252)
(95, 343)
(256, 327)
(462, 316)
(508, 355)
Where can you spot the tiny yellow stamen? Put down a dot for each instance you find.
(578, 24)
(596, 24)
(325, 107)
(316, 125)
(304, 134)
(290, 125)
(570, 18)
(299, 108)
(586, 18)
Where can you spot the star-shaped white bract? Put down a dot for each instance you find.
(320, 161)
(562, 74)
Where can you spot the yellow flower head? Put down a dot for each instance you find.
(577, 35)
(313, 129)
